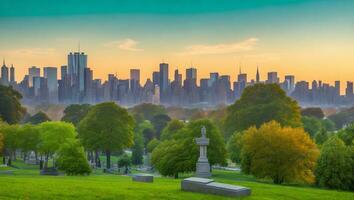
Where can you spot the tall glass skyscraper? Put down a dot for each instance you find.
(77, 62)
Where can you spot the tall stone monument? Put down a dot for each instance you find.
(203, 166)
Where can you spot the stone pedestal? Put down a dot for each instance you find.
(203, 166)
(147, 178)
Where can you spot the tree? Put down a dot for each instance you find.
(160, 121)
(124, 161)
(11, 142)
(335, 165)
(180, 154)
(282, 154)
(234, 147)
(152, 145)
(262, 103)
(321, 136)
(1, 143)
(138, 149)
(347, 135)
(147, 130)
(107, 127)
(38, 118)
(71, 158)
(146, 111)
(11, 110)
(29, 139)
(311, 125)
(74, 113)
(52, 136)
(313, 112)
(171, 129)
(342, 118)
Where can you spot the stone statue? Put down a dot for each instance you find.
(203, 166)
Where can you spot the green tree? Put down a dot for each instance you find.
(124, 161)
(280, 153)
(180, 155)
(311, 125)
(74, 113)
(313, 112)
(71, 158)
(38, 118)
(262, 103)
(160, 121)
(234, 147)
(147, 130)
(347, 135)
(29, 139)
(11, 110)
(52, 136)
(107, 127)
(321, 136)
(335, 165)
(138, 149)
(146, 111)
(171, 129)
(343, 118)
(152, 145)
(11, 141)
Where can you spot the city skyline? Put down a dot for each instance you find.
(307, 38)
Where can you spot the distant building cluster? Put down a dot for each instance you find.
(76, 85)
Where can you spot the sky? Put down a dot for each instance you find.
(311, 39)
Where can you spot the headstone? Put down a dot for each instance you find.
(203, 166)
(208, 186)
(147, 178)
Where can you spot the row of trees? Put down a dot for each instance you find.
(49, 140)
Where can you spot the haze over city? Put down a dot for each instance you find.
(309, 39)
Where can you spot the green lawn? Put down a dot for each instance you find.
(27, 184)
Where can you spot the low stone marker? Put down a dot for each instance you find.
(208, 186)
(147, 178)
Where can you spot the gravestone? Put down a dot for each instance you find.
(147, 178)
(202, 183)
(203, 166)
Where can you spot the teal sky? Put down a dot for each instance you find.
(302, 37)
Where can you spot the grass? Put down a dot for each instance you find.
(26, 183)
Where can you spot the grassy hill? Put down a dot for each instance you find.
(26, 183)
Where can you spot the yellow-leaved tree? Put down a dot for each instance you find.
(283, 154)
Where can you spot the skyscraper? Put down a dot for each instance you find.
(258, 79)
(50, 73)
(134, 79)
(33, 72)
(349, 89)
(163, 81)
(12, 74)
(156, 78)
(290, 83)
(273, 77)
(77, 62)
(4, 74)
(191, 73)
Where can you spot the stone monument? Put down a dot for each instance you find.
(203, 166)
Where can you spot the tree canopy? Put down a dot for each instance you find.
(38, 118)
(11, 110)
(107, 127)
(180, 154)
(146, 111)
(171, 129)
(282, 154)
(259, 104)
(74, 113)
(160, 121)
(335, 165)
(313, 112)
(234, 147)
(342, 118)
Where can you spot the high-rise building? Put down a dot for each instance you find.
(191, 73)
(32, 73)
(258, 79)
(88, 91)
(156, 78)
(290, 83)
(164, 82)
(273, 77)
(349, 90)
(12, 74)
(4, 74)
(134, 79)
(50, 73)
(77, 62)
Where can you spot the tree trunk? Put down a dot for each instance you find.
(3, 160)
(176, 175)
(97, 159)
(36, 156)
(46, 161)
(108, 157)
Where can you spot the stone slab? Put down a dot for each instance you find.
(208, 186)
(227, 189)
(147, 178)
